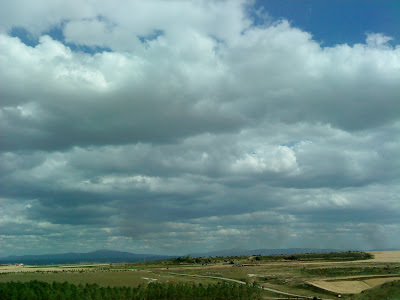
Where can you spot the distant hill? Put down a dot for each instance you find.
(99, 256)
(110, 256)
(244, 252)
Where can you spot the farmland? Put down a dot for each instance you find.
(353, 275)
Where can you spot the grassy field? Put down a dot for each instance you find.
(101, 277)
(304, 275)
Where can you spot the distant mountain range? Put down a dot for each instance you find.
(99, 256)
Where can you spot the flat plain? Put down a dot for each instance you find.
(307, 275)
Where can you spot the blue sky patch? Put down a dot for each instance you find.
(334, 22)
(56, 33)
(152, 36)
(24, 35)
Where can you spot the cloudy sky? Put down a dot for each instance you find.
(191, 126)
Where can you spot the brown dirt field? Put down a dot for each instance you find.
(341, 287)
(351, 286)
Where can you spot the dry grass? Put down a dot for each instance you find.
(386, 256)
(351, 286)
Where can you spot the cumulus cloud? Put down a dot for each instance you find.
(185, 128)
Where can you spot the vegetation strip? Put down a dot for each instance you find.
(242, 282)
(38, 290)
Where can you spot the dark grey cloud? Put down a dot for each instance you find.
(208, 133)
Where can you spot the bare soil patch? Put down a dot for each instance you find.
(341, 287)
(351, 286)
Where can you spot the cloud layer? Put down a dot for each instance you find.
(184, 132)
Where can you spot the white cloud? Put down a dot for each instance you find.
(378, 40)
(98, 33)
(205, 130)
(279, 159)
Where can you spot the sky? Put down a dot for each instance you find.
(193, 126)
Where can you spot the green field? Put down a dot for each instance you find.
(101, 277)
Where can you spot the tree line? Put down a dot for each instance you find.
(38, 290)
